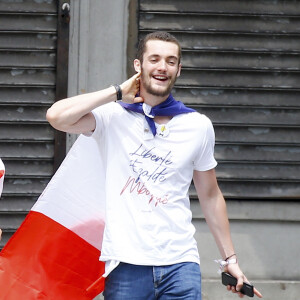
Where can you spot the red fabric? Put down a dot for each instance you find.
(1, 173)
(45, 260)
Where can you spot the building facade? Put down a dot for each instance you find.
(240, 68)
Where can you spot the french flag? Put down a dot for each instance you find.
(55, 252)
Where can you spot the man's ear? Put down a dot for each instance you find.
(137, 65)
(179, 70)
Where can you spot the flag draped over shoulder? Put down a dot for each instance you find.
(55, 252)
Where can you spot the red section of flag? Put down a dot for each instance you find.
(1, 173)
(45, 260)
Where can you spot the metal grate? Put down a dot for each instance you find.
(241, 68)
(28, 74)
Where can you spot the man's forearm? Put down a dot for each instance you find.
(73, 114)
(65, 113)
(216, 217)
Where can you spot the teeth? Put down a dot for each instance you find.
(160, 77)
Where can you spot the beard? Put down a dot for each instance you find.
(155, 91)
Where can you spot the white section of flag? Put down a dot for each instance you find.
(75, 196)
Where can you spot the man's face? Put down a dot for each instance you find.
(160, 67)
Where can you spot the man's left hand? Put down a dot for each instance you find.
(235, 271)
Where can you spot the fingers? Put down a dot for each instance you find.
(233, 290)
(257, 293)
(137, 77)
(241, 278)
(130, 88)
(240, 281)
(136, 81)
(138, 100)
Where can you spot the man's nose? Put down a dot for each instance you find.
(162, 65)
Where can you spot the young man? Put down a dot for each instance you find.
(153, 147)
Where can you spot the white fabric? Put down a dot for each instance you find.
(223, 263)
(75, 195)
(148, 217)
(147, 109)
(2, 168)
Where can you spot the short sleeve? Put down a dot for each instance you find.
(205, 160)
(103, 115)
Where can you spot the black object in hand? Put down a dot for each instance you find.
(228, 279)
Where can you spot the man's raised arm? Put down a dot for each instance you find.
(74, 115)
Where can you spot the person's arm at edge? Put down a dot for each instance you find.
(214, 208)
(74, 115)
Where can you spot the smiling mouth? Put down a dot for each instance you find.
(160, 77)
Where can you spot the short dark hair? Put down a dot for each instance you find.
(157, 35)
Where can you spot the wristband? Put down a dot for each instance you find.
(119, 91)
(229, 256)
(224, 263)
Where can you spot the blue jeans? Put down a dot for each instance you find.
(179, 281)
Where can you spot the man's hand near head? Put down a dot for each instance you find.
(130, 88)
